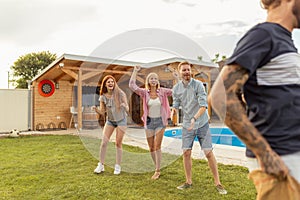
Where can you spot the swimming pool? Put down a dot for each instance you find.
(219, 136)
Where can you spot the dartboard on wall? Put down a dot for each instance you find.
(46, 88)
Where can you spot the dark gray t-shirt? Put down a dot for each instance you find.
(272, 92)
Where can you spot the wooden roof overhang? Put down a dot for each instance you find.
(85, 71)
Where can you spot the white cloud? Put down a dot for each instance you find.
(27, 22)
(78, 27)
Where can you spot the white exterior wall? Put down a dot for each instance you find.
(14, 109)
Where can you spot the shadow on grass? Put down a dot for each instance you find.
(134, 160)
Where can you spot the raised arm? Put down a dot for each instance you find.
(132, 81)
(176, 76)
(224, 100)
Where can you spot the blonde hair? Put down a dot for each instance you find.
(147, 85)
(266, 4)
(117, 92)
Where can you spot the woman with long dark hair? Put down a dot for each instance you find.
(113, 104)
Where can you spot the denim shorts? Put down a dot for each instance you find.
(154, 123)
(203, 135)
(122, 122)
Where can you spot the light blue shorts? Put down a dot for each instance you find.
(154, 124)
(203, 135)
(122, 122)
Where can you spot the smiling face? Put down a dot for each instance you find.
(153, 80)
(110, 84)
(185, 72)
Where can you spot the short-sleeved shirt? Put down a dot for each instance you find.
(113, 113)
(272, 91)
(191, 98)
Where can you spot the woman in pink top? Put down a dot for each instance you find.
(156, 113)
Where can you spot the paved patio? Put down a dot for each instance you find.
(224, 153)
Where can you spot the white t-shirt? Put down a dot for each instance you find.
(154, 107)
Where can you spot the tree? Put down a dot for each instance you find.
(216, 59)
(29, 65)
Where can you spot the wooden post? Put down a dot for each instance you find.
(208, 91)
(79, 98)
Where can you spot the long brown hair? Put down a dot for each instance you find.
(116, 93)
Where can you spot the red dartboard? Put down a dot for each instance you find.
(46, 88)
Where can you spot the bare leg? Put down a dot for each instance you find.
(108, 130)
(157, 149)
(187, 162)
(157, 145)
(150, 140)
(212, 163)
(119, 138)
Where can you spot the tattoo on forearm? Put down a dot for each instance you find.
(236, 114)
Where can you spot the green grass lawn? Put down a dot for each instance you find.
(60, 167)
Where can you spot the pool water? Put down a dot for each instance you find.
(219, 136)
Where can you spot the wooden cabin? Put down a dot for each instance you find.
(73, 82)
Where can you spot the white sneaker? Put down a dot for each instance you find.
(99, 168)
(117, 169)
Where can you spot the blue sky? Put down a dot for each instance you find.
(79, 26)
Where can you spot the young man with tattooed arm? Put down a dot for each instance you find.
(265, 65)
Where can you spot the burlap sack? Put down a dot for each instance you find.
(269, 188)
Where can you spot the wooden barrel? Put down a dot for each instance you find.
(89, 119)
(175, 119)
